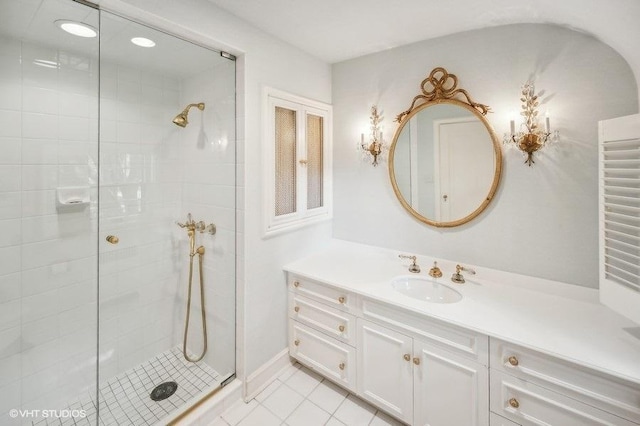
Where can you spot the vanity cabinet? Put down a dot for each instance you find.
(426, 371)
(531, 388)
(422, 384)
(322, 331)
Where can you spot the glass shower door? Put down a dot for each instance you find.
(167, 223)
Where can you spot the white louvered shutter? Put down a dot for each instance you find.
(619, 203)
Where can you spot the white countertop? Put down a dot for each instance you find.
(563, 320)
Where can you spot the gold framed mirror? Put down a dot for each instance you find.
(445, 160)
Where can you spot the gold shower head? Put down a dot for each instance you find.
(181, 119)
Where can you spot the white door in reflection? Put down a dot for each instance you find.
(464, 165)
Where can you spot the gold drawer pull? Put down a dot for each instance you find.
(296, 283)
(296, 342)
(297, 309)
(341, 366)
(514, 403)
(407, 357)
(112, 239)
(416, 361)
(342, 299)
(341, 328)
(513, 360)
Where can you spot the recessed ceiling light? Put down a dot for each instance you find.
(77, 28)
(143, 42)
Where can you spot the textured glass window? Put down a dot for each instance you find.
(285, 184)
(315, 139)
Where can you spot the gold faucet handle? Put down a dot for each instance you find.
(414, 266)
(435, 272)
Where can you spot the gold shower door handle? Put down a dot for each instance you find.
(112, 239)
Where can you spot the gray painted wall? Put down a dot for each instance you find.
(543, 221)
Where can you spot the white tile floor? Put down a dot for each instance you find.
(300, 397)
(125, 398)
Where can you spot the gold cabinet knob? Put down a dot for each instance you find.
(112, 239)
(416, 361)
(407, 357)
(513, 360)
(341, 328)
(296, 342)
(303, 162)
(297, 309)
(296, 284)
(514, 403)
(341, 366)
(342, 299)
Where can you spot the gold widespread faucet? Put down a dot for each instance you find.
(457, 277)
(414, 266)
(435, 272)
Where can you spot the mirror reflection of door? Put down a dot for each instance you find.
(463, 166)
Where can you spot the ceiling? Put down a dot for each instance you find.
(337, 30)
(34, 21)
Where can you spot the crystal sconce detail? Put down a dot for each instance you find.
(373, 149)
(533, 138)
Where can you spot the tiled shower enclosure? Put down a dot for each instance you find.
(88, 150)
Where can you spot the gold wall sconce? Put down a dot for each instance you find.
(375, 148)
(532, 138)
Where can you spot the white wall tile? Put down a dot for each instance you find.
(10, 204)
(39, 151)
(10, 148)
(39, 306)
(10, 287)
(38, 202)
(39, 177)
(10, 91)
(74, 128)
(10, 123)
(10, 313)
(38, 332)
(10, 369)
(10, 230)
(37, 99)
(39, 126)
(9, 260)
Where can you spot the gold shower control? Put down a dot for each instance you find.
(112, 239)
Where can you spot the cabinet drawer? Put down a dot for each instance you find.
(591, 387)
(329, 357)
(496, 420)
(529, 404)
(333, 322)
(324, 293)
(471, 345)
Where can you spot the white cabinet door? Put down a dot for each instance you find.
(449, 389)
(385, 376)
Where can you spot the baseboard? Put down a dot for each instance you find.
(264, 375)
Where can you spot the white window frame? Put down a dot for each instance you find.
(275, 225)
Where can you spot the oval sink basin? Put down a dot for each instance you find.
(423, 288)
